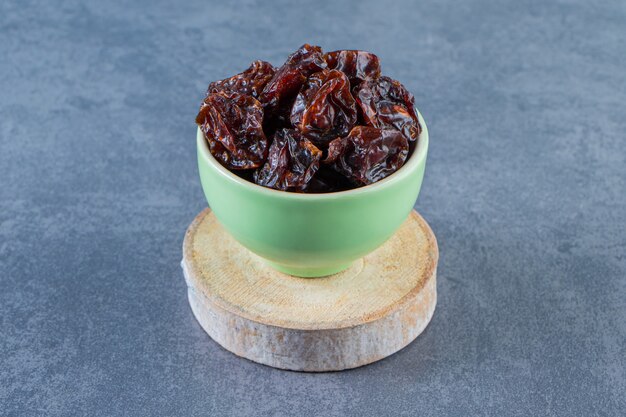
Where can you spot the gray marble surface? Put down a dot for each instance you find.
(525, 189)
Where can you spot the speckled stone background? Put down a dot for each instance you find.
(525, 189)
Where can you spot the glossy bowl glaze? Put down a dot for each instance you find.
(312, 235)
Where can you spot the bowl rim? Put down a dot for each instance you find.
(416, 159)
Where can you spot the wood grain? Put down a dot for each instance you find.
(373, 309)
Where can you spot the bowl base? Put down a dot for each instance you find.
(308, 272)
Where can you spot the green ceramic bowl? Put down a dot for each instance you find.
(312, 235)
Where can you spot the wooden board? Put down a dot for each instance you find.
(358, 316)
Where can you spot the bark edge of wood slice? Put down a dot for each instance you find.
(366, 313)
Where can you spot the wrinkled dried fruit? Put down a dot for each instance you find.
(357, 65)
(232, 124)
(308, 59)
(250, 82)
(282, 87)
(324, 109)
(280, 91)
(320, 123)
(385, 103)
(368, 154)
(291, 163)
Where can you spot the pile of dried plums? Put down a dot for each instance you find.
(320, 123)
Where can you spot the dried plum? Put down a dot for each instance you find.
(385, 103)
(232, 125)
(320, 123)
(357, 65)
(291, 163)
(250, 82)
(368, 154)
(308, 59)
(279, 93)
(324, 109)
